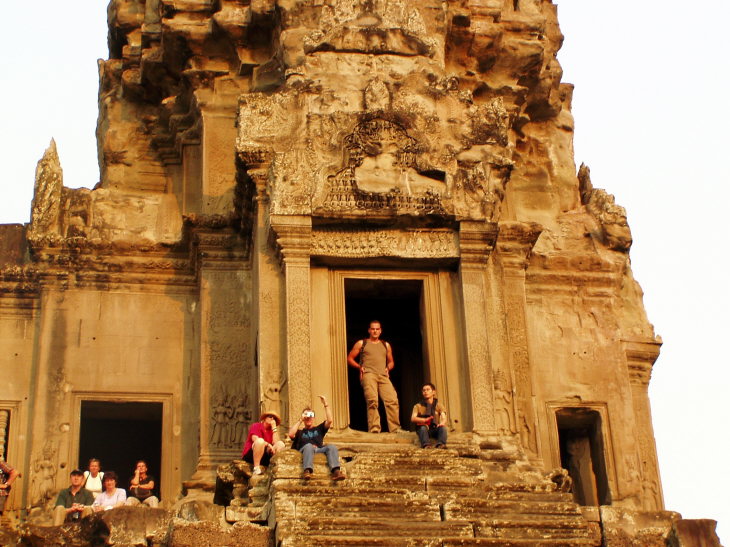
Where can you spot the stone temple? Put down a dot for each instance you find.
(276, 173)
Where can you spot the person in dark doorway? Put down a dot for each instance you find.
(7, 478)
(263, 441)
(429, 416)
(94, 477)
(74, 502)
(142, 487)
(373, 357)
(309, 440)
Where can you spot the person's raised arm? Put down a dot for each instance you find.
(327, 412)
(294, 428)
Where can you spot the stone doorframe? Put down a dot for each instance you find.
(601, 408)
(432, 319)
(169, 451)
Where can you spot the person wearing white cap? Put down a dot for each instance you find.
(263, 441)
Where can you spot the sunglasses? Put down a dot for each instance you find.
(307, 414)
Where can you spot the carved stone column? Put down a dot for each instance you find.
(640, 357)
(514, 244)
(227, 383)
(476, 241)
(4, 417)
(267, 295)
(294, 238)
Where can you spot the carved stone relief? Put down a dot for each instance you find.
(381, 174)
(503, 407)
(43, 485)
(230, 415)
(377, 27)
(395, 243)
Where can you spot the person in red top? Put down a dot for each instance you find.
(263, 441)
(7, 477)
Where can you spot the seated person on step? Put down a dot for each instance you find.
(73, 503)
(93, 477)
(111, 496)
(430, 418)
(310, 441)
(142, 487)
(262, 441)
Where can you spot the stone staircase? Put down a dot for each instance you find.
(397, 494)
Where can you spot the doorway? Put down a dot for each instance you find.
(582, 454)
(119, 434)
(397, 305)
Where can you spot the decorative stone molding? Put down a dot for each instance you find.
(640, 357)
(515, 242)
(412, 243)
(476, 241)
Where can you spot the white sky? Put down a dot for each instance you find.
(651, 107)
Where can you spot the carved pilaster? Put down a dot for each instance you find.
(476, 241)
(514, 244)
(294, 238)
(640, 358)
(4, 417)
(227, 384)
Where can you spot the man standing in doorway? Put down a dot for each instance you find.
(373, 357)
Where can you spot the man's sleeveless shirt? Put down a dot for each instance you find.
(374, 357)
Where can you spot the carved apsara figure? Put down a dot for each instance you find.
(44, 477)
(503, 405)
(221, 415)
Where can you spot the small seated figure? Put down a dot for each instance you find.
(94, 477)
(73, 503)
(142, 487)
(263, 441)
(430, 418)
(111, 496)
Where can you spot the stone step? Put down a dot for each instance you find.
(465, 508)
(395, 507)
(359, 541)
(372, 528)
(524, 527)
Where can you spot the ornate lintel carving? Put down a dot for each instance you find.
(515, 243)
(641, 354)
(427, 243)
(476, 242)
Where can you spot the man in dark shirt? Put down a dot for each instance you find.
(74, 502)
(7, 477)
(310, 441)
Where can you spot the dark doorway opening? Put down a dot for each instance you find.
(119, 434)
(582, 454)
(397, 305)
